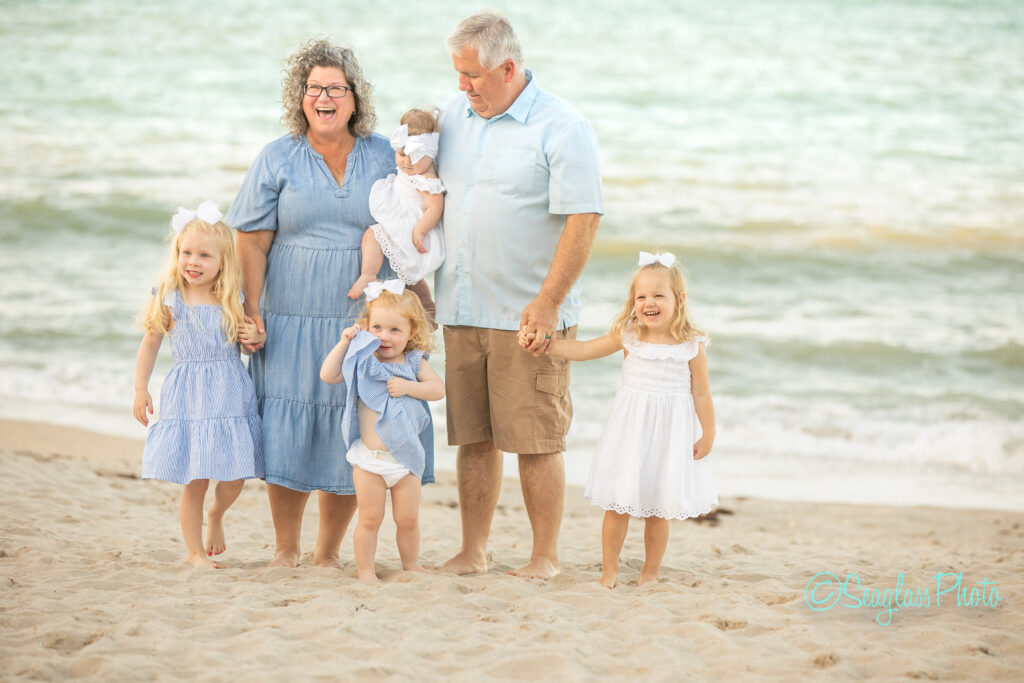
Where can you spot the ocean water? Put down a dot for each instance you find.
(843, 181)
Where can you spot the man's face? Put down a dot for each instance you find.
(488, 90)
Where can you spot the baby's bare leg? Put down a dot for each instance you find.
(372, 260)
(371, 494)
(224, 494)
(405, 506)
(191, 516)
(613, 535)
(655, 542)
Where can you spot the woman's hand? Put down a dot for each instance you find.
(143, 405)
(251, 336)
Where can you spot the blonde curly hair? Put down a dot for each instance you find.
(408, 305)
(681, 327)
(325, 53)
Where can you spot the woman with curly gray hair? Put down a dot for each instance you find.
(299, 218)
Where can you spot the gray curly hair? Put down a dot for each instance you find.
(325, 53)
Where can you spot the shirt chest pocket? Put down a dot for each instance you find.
(515, 171)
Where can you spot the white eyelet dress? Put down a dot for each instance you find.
(644, 464)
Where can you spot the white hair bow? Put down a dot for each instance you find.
(207, 211)
(415, 146)
(374, 289)
(666, 259)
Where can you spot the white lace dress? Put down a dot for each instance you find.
(396, 205)
(644, 464)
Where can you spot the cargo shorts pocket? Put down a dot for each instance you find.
(552, 410)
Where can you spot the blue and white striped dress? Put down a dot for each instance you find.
(208, 426)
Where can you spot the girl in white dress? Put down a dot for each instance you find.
(407, 206)
(651, 460)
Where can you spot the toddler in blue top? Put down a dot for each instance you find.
(209, 427)
(382, 361)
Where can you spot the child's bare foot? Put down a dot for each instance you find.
(416, 568)
(537, 568)
(464, 563)
(610, 578)
(648, 577)
(368, 577)
(359, 285)
(215, 543)
(285, 558)
(328, 562)
(201, 561)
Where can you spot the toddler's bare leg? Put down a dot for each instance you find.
(372, 260)
(655, 542)
(191, 517)
(405, 506)
(371, 494)
(224, 494)
(613, 535)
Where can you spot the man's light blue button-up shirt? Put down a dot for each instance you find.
(511, 181)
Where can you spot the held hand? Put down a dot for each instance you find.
(349, 333)
(537, 324)
(250, 335)
(260, 337)
(417, 241)
(143, 405)
(398, 387)
(703, 447)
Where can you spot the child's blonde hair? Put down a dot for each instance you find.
(227, 288)
(408, 306)
(681, 327)
(420, 121)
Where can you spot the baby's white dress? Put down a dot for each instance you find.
(644, 465)
(396, 205)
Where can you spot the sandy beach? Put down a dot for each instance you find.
(94, 586)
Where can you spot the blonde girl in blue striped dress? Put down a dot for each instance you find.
(209, 427)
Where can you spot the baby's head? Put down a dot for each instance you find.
(399, 321)
(415, 141)
(657, 299)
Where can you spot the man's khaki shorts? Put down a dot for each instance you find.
(498, 392)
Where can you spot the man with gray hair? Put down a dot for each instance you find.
(524, 201)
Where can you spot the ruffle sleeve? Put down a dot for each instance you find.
(431, 185)
(686, 351)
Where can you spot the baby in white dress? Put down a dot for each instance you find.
(407, 206)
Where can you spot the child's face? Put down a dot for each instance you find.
(405, 164)
(392, 328)
(199, 259)
(653, 300)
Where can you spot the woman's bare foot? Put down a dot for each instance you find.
(464, 563)
(328, 562)
(368, 577)
(215, 543)
(285, 558)
(359, 285)
(200, 561)
(648, 577)
(610, 578)
(537, 568)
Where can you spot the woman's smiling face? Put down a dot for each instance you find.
(328, 116)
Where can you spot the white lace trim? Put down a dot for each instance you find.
(431, 185)
(685, 351)
(653, 510)
(393, 258)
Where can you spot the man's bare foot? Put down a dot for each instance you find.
(464, 563)
(215, 543)
(200, 561)
(285, 558)
(359, 285)
(647, 577)
(368, 577)
(610, 578)
(537, 568)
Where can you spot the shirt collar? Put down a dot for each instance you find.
(520, 108)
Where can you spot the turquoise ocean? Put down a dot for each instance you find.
(842, 179)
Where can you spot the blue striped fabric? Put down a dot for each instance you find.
(208, 427)
(401, 421)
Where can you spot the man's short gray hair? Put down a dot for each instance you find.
(491, 34)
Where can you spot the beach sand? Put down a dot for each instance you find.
(93, 585)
